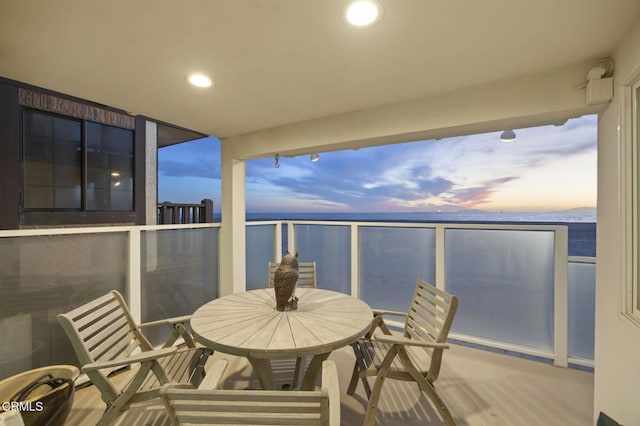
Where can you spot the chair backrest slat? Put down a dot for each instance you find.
(91, 306)
(86, 318)
(437, 297)
(117, 345)
(298, 419)
(418, 329)
(424, 316)
(306, 274)
(115, 323)
(248, 407)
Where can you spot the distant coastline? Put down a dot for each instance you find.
(581, 222)
(566, 216)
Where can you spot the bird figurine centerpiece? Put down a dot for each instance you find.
(284, 283)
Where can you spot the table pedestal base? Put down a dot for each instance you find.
(262, 367)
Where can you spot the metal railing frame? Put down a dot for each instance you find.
(561, 261)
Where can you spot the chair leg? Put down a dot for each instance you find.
(428, 389)
(432, 394)
(353, 384)
(296, 372)
(110, 414)
(359, 366)
(372, 407)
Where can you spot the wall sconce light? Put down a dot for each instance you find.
(315, 157)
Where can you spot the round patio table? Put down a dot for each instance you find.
(248, 324)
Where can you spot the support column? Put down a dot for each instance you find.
(151, 173)
(232, 232)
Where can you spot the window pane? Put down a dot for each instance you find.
(52, 173)
(109, 168)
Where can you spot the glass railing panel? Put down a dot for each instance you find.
(179, 273)
(391, 260)
(260, 245)
(330, 247)
(504, 281)
(42, 276)
(582, 299)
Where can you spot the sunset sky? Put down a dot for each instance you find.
(545, 169)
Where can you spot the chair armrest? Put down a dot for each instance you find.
(378, 321)
(384, 312)
(332, 387)
(179, 329)
(400, 340)
(141, 357)
(166, 321)
(213, 378)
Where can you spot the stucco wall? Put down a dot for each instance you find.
(617, 340)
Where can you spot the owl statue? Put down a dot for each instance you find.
(284, 283)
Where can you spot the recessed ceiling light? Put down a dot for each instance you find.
(363, 12)
(199, 80)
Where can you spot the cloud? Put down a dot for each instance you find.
(450, 174)
(203, 168)
(472, 197)
(199, 158)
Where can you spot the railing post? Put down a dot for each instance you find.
(134, 278)
(560, 297)
(277, 243)
(165, 211)
(355, 255)
(440, 263)
(291, 238)
(207, 217)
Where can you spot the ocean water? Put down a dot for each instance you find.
(582, 226)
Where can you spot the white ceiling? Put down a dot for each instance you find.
(277, 62)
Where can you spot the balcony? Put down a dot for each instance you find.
(520, 294)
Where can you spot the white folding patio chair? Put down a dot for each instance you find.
(105, 338)
(210, 406)
(414, 356)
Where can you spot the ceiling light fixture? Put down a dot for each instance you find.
(315, 157)
(362, 13)
(199, 80)
(508, 136)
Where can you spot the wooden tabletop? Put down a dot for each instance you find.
(248, 324)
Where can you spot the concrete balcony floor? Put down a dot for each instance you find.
(479, 387)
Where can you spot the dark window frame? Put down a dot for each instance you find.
(75, 216)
